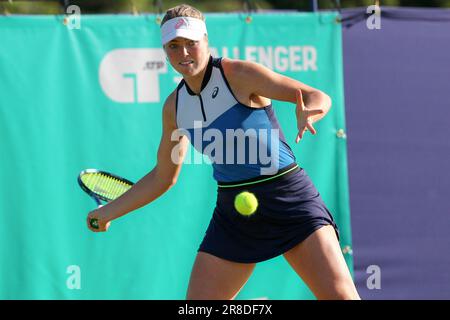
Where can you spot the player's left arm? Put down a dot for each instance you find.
(312, 104)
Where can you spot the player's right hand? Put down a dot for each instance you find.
(97, 218)
(304, 117)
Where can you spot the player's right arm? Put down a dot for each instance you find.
(160, 179)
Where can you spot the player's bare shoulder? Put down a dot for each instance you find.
(169, 110)
(244, 78)
(234, 68)
(241, 68)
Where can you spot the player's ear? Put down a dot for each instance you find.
(165, 52)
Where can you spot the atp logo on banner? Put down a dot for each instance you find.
(132, 75)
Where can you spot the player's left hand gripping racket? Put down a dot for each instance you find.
(102, 186)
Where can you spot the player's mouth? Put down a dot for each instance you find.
(186, 63)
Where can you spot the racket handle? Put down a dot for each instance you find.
(94, 223)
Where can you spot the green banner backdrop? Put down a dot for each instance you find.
(88, 93)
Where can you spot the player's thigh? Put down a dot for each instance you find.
(216, 278)
(318, 260)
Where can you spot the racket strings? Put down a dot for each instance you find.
(105, 186)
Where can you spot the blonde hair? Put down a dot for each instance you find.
(183, 10)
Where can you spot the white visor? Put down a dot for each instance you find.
(185, 27)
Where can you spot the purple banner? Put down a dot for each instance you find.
(397, 86)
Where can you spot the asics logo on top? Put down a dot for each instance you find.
(215, 92)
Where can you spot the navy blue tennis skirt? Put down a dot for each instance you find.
(289, 210)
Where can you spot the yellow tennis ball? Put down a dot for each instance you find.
(246, 203)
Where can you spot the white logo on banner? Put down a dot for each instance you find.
(132, 75)
(278, 58)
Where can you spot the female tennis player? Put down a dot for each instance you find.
(223, 96)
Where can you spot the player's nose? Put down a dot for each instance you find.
(184, 51)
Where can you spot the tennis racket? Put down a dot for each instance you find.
(102, 186)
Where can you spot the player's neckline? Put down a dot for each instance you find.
(206, 78)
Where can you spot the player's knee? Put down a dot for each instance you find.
(204, 295)
(198, 291)
(345, 290)
(196, 295)
(342, 289)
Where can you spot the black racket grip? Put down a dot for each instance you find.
(94, 223)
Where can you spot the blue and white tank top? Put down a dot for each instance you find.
(241, 142)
